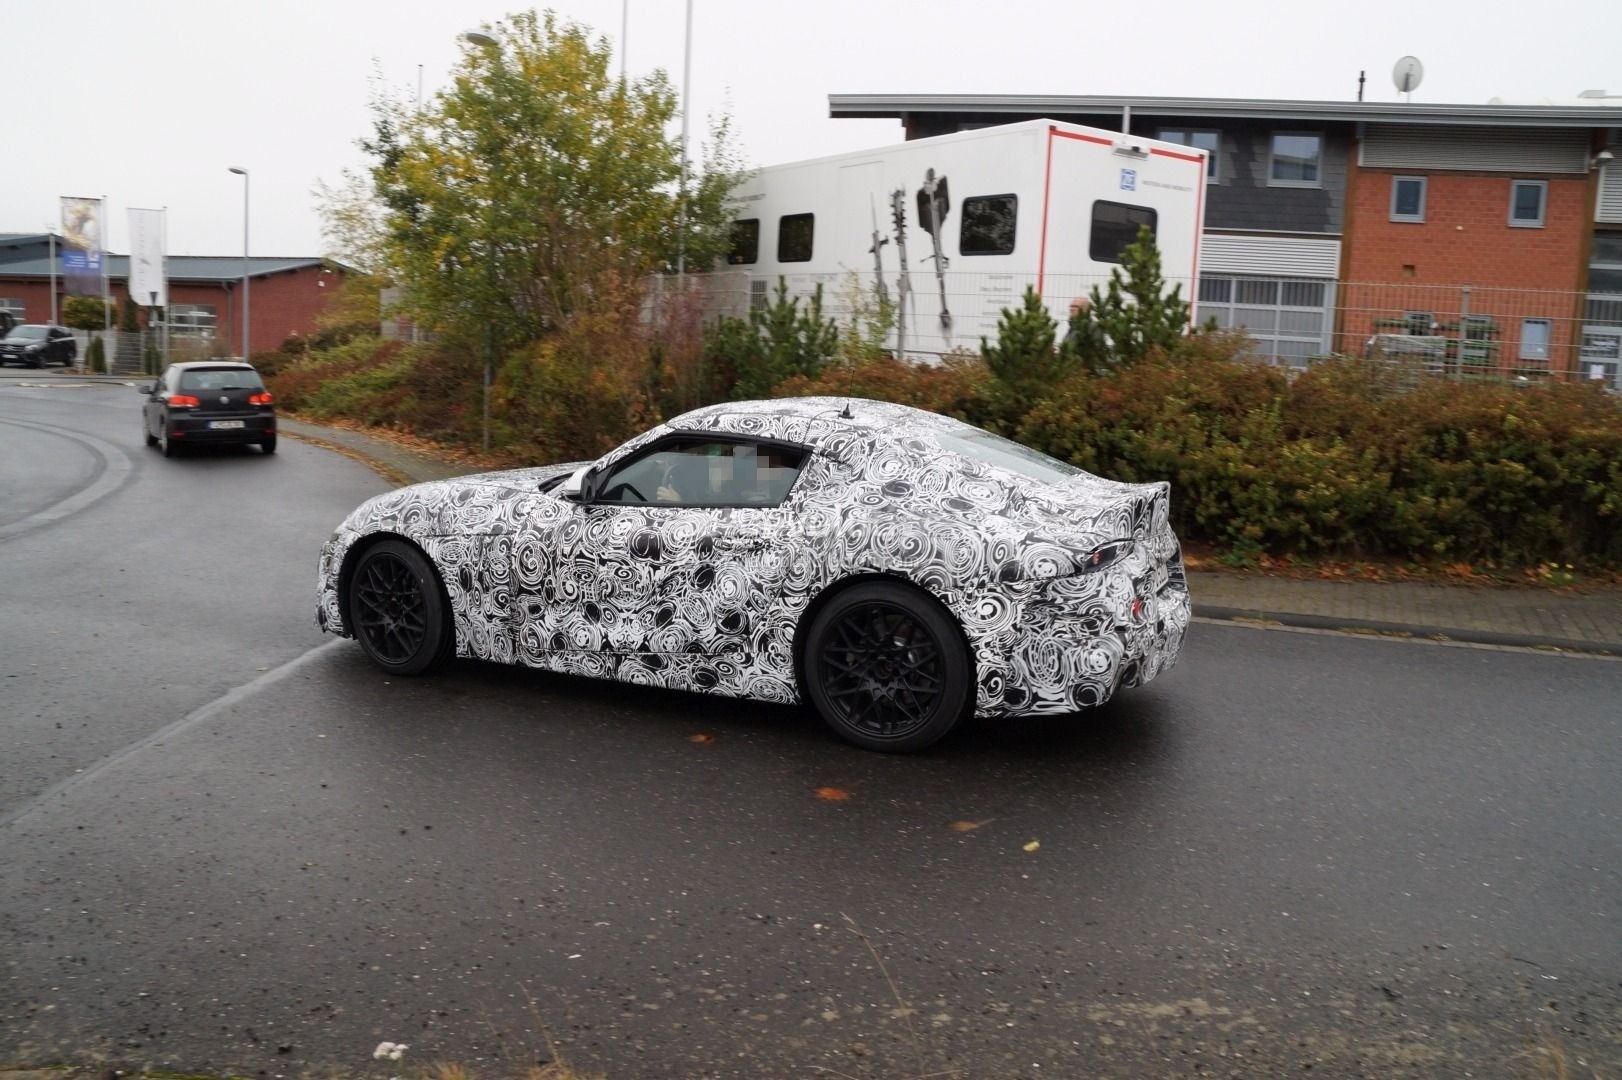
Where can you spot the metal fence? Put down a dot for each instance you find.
(1459, 331)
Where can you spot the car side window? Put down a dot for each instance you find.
(695, 471)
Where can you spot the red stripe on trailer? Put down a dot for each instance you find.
(1199, 232)
(1047, 191)
(1175, 154)
(1080, 138)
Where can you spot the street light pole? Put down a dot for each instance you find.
(487, 41)
(686, 108)
(244, 174)
(52, 235)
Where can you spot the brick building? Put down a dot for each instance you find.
(285, 294)
(1493, 232)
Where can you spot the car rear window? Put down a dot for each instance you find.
(1001, 453)
(221, 379)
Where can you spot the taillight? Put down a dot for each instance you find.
(261, 398)
(183, 401)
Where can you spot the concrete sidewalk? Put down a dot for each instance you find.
(1588, 622)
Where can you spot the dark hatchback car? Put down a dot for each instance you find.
(208, 402)
(35, 345)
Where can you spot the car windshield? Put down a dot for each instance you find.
(27, 333)
(221, 379)
(1003, 453)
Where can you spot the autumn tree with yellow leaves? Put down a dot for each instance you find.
(536, 184)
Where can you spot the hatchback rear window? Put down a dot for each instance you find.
(221, 379)
(994, 450)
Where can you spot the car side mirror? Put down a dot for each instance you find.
(574, 487)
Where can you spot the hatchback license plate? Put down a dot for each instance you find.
(225, 423)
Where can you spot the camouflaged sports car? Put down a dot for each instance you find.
(896, 569)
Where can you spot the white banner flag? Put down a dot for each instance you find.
(148, 283)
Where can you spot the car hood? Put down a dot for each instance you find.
(481, 503)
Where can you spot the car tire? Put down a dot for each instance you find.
(398, 610)
(268, 445)
(151, 439)
(886, 666)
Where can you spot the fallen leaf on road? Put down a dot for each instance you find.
(832, 794)
(1033, 845)
(701, 737)
(969, 826)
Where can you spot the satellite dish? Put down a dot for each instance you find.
(1408, 74)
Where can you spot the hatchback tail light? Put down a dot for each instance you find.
(261, 398)
(182, 401)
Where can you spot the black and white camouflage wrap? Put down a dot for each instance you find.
(711, 599)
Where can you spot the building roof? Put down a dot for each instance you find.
(884, 106)
(221, 268)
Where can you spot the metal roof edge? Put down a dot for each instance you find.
(894, 106)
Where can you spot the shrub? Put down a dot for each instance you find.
(774, 343)
(958, 386)
(1025, 361)
(1340, 461)
(1133, 317)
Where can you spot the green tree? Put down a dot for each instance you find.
(86, 312)
(777, 342)
(1132, 317)
(129, 317)
(1024, 362)
(502, 202)
(91, 314)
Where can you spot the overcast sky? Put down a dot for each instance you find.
(148, 102)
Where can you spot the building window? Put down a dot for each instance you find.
(1288, 320)
(1408, 198)
(1527, 201)
(988, 225)
(1296, 159)
(1115, 225)
(745, 242)
(1604, 306)
(193, 320)
(1210, 141)
(794, 232)
(1535, 339)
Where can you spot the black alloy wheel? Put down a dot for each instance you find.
(887, 668)
(398, 610)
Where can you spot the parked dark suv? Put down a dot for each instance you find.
(206, 402)
(35, 345)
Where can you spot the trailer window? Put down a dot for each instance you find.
(745, 247)
(988, 225)
(794, 237)
(1115, 225)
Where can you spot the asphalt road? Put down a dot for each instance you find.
(225, 845)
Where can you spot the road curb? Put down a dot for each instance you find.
(1427, 633)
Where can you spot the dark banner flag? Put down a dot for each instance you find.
(81, 246)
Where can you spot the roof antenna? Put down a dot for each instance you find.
(844, 414)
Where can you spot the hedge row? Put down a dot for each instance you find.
(1340, 460)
